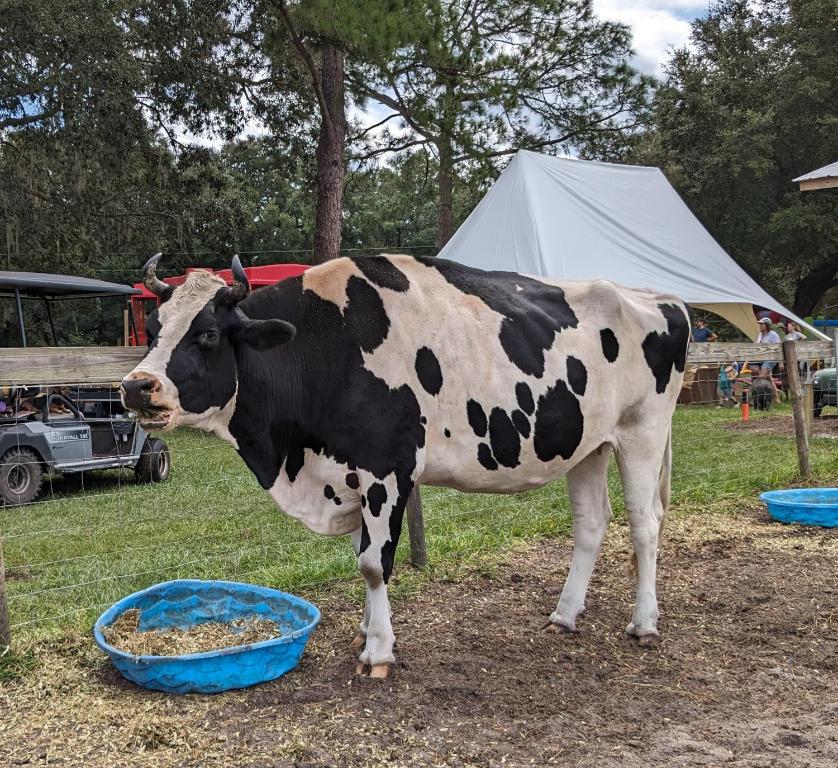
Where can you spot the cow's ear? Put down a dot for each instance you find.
(263, 334)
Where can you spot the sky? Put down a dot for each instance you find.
(657, 26)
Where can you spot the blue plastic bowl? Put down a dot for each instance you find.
(810, 506)
(188, 602)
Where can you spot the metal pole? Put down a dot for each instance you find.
(20, 317)
(51, 323)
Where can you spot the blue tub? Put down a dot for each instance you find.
(810, 506)
(187, 602)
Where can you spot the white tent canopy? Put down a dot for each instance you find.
(578, 220)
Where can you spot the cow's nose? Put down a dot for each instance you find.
(137, 389)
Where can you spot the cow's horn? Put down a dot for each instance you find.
(239, 289)
(154, 283)
(241, 284)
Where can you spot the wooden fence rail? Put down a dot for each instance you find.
(53, 366)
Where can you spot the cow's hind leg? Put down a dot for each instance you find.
(640, 460)
(588, 489)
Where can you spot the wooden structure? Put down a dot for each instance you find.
(822, 178)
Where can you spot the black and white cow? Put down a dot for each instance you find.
(344, 387)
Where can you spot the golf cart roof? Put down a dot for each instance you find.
(42, 285)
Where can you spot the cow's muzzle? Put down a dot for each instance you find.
(138, 394)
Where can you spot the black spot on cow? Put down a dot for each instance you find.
(365, 315)
(388, 550)
(533, 311)
(365, 538)
(376, 496)
(202, 372)
(152, 330)
(363, 500)
(484, 456)
(610, 345)
(506, 443)
(521, 422)
(667, 350)
(358, 419)
(338, 501)
(382, 272)
(428, 371)
(447, 432)
(577, 375)
(423, 420)
(524, 395)
(329, 492)
(294, 462)
(477, 418)
(558, 423)
(352, 480)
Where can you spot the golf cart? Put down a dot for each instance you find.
(66, 429)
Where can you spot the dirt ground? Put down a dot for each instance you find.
(783, 425)
(746, 674)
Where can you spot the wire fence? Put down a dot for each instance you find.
(93, 537)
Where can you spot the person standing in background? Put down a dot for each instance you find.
(701, 333)
(793, 332)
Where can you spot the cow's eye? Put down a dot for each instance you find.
(208, 338)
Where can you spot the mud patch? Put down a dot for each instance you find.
(746, 673)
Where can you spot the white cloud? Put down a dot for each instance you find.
(657, 26)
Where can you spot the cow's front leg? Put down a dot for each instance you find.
(382, 508)
(360, 640)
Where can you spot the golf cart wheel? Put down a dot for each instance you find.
(21, 474)
(155, 462)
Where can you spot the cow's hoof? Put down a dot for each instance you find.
(644, 639)
(380, 671)
(358, 642)
(375, 672)
(560, 629)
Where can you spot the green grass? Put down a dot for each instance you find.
(74, 553)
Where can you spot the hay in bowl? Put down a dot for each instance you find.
(159, 638)
(126, 635)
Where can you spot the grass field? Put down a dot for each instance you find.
(74, 553)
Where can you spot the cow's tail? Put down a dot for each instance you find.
(664, 490)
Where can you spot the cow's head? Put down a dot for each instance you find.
(189, 374)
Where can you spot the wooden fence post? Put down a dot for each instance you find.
(416, 530)
(5, 631)
(797, 406)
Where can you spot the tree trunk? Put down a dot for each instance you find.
(445, 184)
(330, 161)
(812, 288)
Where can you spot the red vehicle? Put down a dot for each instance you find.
(145, 301)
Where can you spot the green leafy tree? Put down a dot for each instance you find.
(751, 104)
(324, 35)
(481, 80)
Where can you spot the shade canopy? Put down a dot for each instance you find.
(43, 285)
(571, 219)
